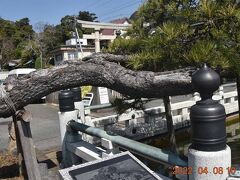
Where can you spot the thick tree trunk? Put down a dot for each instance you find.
(95, 72)
(170, 126)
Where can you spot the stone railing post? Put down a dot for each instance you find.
(110, 147)
(67, 111)
(208, 156)
(78, 103)
(221, 94)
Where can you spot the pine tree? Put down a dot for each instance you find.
(171, 34)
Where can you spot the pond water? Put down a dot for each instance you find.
(183, 138)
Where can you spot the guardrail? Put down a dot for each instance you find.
(141, 149)
(26, 151)
(100, 106)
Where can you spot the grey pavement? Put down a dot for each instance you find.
(4, 133)
(44, 127)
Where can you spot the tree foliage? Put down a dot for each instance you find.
(67, 25)
(13, 39)
(18, 40)
(174, 34)
(51, 36)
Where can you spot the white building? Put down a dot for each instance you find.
(74, 40)
(3, 75)
(104, 33)
(70, 52)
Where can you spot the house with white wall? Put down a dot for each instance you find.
(70, 52)
(3, 75)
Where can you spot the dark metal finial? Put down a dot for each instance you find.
(76, 94)
(206, 81)
(207, 116)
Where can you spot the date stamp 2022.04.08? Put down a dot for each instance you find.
(201, 170)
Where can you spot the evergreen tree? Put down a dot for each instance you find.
(171, 34)
(13, 39)
(19, 41)
(67, 25)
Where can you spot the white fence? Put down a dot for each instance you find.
(154, 117)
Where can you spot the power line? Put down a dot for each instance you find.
(92, 4)
(111, 17)
(106, 2)
(120, 8)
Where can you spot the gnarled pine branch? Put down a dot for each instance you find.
(95, 72)
(108, 57)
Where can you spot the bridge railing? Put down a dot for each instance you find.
(144, 150)
(180, 111)
(208, 148)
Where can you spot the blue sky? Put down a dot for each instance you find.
(51, 11)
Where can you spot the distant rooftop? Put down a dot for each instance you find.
(116, 21)
(120, 20)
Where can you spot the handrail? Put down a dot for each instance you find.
(108, 105)
(100, 106)
(141, 149)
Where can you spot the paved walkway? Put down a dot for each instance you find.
(46, 136)
(44, 127)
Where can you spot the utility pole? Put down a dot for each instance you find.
(41, 59)
(0, 61)
(77, 37)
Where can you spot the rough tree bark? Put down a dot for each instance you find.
(108, 57)
(170, 126)
(94, 71)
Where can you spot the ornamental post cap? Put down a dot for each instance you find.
(66, 102)
(76, 94)
(206, 81)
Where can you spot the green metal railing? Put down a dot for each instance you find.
(100, 106)
(141, 149)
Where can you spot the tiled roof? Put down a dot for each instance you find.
(120, 21)
(116, 21)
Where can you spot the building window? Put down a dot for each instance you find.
(72, 56)
(58, 59)
(227, 100)
(177, 112)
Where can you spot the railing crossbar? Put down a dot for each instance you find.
(141, 149)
